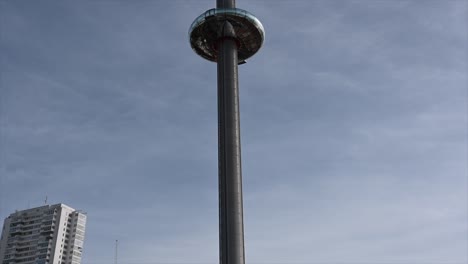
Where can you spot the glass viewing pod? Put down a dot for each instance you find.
(204, 32)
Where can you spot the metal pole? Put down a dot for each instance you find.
(231, 225)
(116, 248)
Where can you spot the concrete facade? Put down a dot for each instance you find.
(50, 234)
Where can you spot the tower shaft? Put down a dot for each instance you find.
(228, 36)
(231, 223)
(225, 3)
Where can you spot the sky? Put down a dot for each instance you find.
(353, 125)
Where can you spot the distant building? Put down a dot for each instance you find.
(50, 234)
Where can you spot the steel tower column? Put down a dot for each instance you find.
(231, 222)
(228, 36)
(225, 3)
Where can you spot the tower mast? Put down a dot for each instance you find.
(228, 36)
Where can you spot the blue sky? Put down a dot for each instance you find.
(353, 119)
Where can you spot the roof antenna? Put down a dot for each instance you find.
(45, 201)
(116, 248)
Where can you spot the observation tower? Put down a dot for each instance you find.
(228, 36)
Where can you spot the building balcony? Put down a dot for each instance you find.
(46, 231)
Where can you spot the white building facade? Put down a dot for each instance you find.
(50, 234)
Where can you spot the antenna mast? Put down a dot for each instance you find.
(116, 249)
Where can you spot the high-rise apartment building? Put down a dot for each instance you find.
(50, 234)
